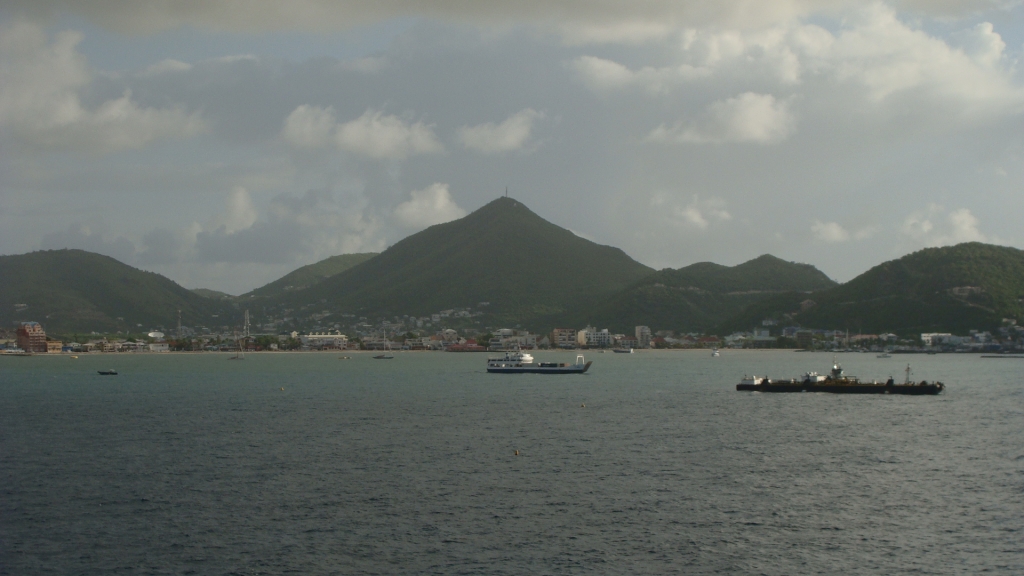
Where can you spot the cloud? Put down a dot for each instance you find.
(935, 226)
(310, 126)
(889, 60)
(373, 134)
(510, 135)
(830, 232)
(378, 136)
(296, 227)
(85, 237)
(429, 206)
(582, 20)
(239, 213)
(168, 66)
(697, 214)
(749, 117)
(40, 105)
(833, 232)
(603, 75)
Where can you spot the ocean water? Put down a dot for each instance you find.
(310, 464)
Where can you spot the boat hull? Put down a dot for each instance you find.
(905, 389)
(535, 369)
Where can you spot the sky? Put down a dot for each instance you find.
(224, 144)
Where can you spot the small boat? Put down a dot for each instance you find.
(240, 354)
(518, 362)
(884, 355)
(387, 349)
(74, 357)
(714, 353)
(15, 352)
(344, 357)
(110, 372)
(623, 350)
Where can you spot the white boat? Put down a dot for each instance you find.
(714, 353)
(884, 355)
(518, 362)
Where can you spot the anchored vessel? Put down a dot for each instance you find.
(838, 383)
(516, 362)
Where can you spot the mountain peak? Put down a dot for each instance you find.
(502, 253)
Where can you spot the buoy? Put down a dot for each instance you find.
(517, 452)
(583, 405)
(282, 388)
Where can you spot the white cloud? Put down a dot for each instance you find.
(510, 135)
(378, 136)
(935, 226)
(40, 104)
(982, 44)
(831, 232)
(888, 58)
(432, 205)
(601, 74)
(168, 66)
(310, 126)
(295, 228)
(697, 213)
(749, 117)
(239, 212)
(373, 134)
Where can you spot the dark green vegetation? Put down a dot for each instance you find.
(214, 294)
(699, 297)
(74, 290)
(951, 289)
(309, 275)
(528, 269)
(536, 275)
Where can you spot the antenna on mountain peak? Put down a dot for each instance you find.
(506, 191)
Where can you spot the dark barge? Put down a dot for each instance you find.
(838, 383)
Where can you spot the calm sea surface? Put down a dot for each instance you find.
(310, 464)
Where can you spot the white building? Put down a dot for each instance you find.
(324, 339)
(591, 336)
(508, 339)
(935, 338)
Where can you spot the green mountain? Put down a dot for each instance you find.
(524, 267)
(309, 275)
(74, 290)
(213, 294)
(700, 296)
(950, 289)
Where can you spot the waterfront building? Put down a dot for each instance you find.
(325, 340)
(564, 337)
(31, 337)
(643, 337)
(591, 336)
